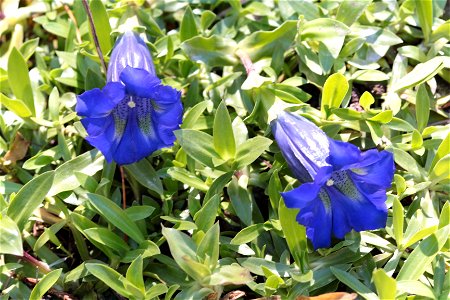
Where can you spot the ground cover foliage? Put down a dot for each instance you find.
(204, 218)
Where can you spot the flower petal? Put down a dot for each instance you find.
(96, 103)
(129, 50)
(101, 134)
(361, 214)
(133, 144)
(301, 196)
(139, 82)
(317, 220)
(380, 172)
(343, 154)
(303, 144)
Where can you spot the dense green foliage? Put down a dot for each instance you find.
(205, 217)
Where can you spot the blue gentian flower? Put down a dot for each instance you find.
(341, 187)
(134, 114)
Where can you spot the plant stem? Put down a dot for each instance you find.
(94, 34)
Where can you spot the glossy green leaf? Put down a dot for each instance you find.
(19, 80)
(188, 27)
(17, 106)
(193, 114)
(223, 136)
(29, 197)
(334, 91)
(134, 273)
(261, 43)
(213, 51)
(248, 234)
(116, 216)
(198, 145)
(109, 276)
(441, 170)
(349, 11)
(109, 239)
(295, 235)
(208, 249)
(423, 255)
(45, 284)
(10, 237)
(187, 178)
(146, 175)
(102, 26)
(366, 100)
(386, 286)
(422, 107)
(398, 219)
(250, 150)
(443, 150)
(424, 10)
(354, 284)
(206, 216)
(87, 163)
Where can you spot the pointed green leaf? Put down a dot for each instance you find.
(29, 197)
(102, 26)
(334, 91)
(112, 278)
(386, 285)
(116, 216)
(224, 143)
(134, 273)
(146, 175)
(19, 80)
(188, 27)
(45, 284)
(10, 237)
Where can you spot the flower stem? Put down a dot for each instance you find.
(94, 34)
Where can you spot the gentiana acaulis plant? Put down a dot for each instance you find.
(134, 114)
(342, 188)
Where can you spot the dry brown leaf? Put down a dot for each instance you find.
(18, 150)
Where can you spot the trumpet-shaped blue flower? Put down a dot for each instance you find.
(134, 114)
(342, 188)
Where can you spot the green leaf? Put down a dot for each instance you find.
(214, 51)
(422, 256)
(415, 287)
(248, 234)
(17, 106)
(134, 273)
(295, 235)
(198, 145)
(187, 178)
(334, 91)
(19, 80)
(349, 11)
(422, 73)
(28, 48)
(188, 27)
(29, 197)
(369, 75)
(10, 237)
(386, 285)
(354, 284)
(398, 219)
(241, 200)
(441, 32)
(87, 163)
(232, 274)
(250, 150)
(193, 114)
(223, 136)
(422, 107)
(441, 170)
(184, 250)
(261, 44)
(106, 237)
(45, 284)
(208, 249)
(366, 100)
(102, 26)
(424, 9)
(155, 291)
(110, 277)
(383, 117)
(443, 150)
(116, 216)
(146, 175)
(206, 216)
